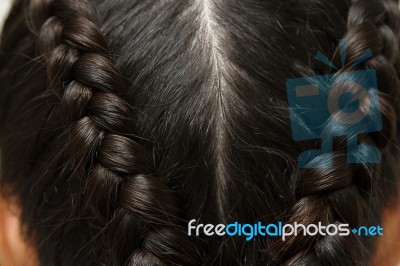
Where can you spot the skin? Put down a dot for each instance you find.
(14, 251)
(388, 246)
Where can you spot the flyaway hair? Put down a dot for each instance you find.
(120, 121)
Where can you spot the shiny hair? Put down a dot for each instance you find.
(122, 120)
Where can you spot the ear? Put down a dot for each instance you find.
(13, 249)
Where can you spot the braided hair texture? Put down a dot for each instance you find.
(120, 121)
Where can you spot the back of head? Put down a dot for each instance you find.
(123, 120)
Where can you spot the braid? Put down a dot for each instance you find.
(345, 192)
(144, 227)
(213, 103)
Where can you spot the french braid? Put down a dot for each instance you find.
(345, 192)
(76, 156)
(144, 225)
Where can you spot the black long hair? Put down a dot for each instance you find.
(123, 120)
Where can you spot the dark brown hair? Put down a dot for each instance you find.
(122, 120)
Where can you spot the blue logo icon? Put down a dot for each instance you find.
(341, 104)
